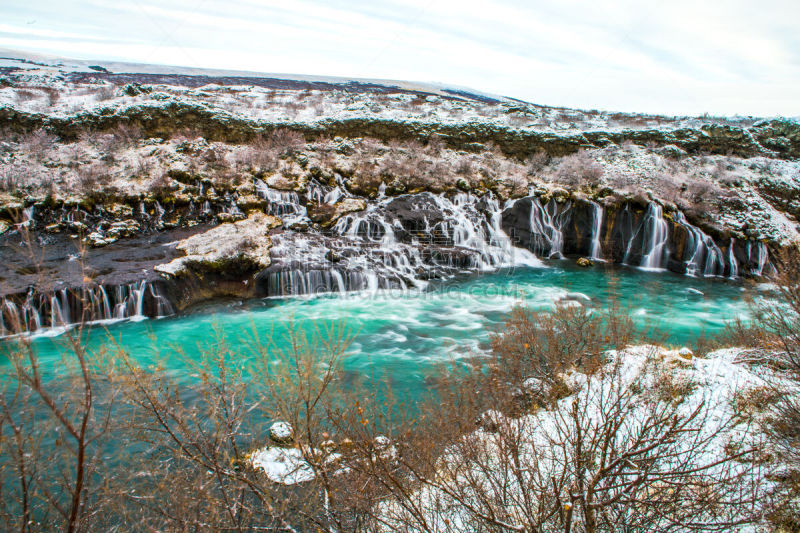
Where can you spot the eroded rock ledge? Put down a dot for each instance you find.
(389, 243)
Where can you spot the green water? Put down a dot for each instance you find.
(400, 336)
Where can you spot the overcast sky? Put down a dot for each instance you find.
(667, 56)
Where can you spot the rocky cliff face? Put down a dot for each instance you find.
(392, 243)
(774, 138)
(127, 200)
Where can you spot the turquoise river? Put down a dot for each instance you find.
(400, 336)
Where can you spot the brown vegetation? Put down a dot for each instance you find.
(109, 442)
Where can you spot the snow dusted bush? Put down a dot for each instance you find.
(619, 453)
(578, 170)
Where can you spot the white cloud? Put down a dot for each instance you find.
(676, 57)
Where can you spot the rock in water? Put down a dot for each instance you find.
(584, 262)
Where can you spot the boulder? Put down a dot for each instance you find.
(246, 241)
(327, 214)
(281, 433)
(119, 210)
(584, 262)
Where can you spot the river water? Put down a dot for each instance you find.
(401, 336)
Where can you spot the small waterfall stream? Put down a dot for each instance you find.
(734, 267)
(547, 225)
(757, 255)
(704, 257)
(284, 204)
(656, 232)
(596, 249)
(92, 304)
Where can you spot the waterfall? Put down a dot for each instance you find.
(395, 243)
(704, 256)
(284, 204)
(734, 267)
(299, 282)
(761, 256)
(510, 254)
(159, 211)
(232, 208)
(40, 311)
(595, 250)
(137, 292)
(320, 194)
(547, 226)
(657, 234)
(27, 217)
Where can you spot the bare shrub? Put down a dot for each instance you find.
(537, 162)
(578, 169)
(127, 135)
(464, 166)
(263, 152)
(38, 144)
(435, 145)
(542, 345)
(285, 140)
(52, 431)
(161, 184)
(144, 165)
(13, 177)
(610, 458)
(92, 179)
(105, 93)
(777, 330)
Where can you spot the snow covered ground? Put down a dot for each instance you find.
(491, 476)
(63, 87)
(670, 412)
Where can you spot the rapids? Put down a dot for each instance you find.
(401, 335)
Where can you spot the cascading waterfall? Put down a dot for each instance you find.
(283, 204)
(547, 227)
(380, 249)
(232, 208)
(703, 255)
(761, 256)
(92, 304)
(656, 236)
(734, 267)
(513, 256)
(596, 250)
